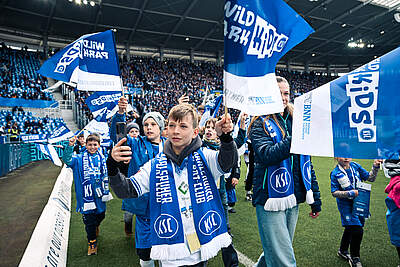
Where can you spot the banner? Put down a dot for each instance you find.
(257, 34)
(91, 62)
(354, 116)
(34, 138)
(49, 241)
(27, 103)
(210, 110)
(60, 134)
(361, 202)
(99, 125)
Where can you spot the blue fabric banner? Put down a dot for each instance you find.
(91, 62)
(100, 100)
(257, 34)
(27, 103)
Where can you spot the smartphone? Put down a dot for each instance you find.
(121, 130)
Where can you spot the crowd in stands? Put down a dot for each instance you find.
(20, 122)
(18, 74)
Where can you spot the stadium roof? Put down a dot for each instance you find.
(196, 25)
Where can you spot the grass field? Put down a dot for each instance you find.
(316, 240)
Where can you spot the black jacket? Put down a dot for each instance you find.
(268, 153)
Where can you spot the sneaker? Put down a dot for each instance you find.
(249, 196)
(355, 262)
(92, 248)
(231, 210)
(345, 255)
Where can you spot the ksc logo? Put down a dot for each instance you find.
(307, 171)
(367, 134)
(166, 226)
(210, 222)
(280, 180)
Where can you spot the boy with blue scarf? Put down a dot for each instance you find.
(186, 215)
(143, 149)
(91, 185)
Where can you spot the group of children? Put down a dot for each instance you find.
(177, 187)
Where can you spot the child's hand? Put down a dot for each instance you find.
(378, 162)
(72, 141)
(235, 181)
(121, 153)
(314, 214)
(353, 193)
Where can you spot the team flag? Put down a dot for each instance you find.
(99, 125)
(257, 34)
(354, 116)
(108, 100)
(210, 110)
(50, 152)
(91, 62)
(60, 134)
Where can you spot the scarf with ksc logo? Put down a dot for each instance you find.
(167, 233)
(279, 177)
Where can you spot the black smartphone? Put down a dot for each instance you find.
(121, 130)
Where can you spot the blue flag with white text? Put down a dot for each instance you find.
(257, 34)
(91, 62)
(100, 100)
(50, 152)
(60, 134)
(210, 110)
(354, 116)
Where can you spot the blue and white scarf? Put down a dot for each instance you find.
(95, 180)
(280, 179)
(167, 234)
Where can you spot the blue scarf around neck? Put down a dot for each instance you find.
(279, 177)
(167, 232)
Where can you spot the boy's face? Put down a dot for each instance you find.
(92, 146)
(151, 129)
(134, 132)
(344, 162)
(81, 140)
(181, 133)
(210, 132)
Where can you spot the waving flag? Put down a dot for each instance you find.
(50, 152)
(60, 134)
(257, 34)
(99, 125)
(354, 116)
(91, 62)
(100, 100)
(210, 110)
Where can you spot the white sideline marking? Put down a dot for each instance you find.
(244, 260)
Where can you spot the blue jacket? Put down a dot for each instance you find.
(267, 153)
(345, 205)
(75, 163)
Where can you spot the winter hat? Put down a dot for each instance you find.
(157, 117)
(132, 125)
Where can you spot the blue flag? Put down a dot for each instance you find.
(100, 100)
(50, 152)
(354, 116)
(257, 34)
(91, 62)
(210, 110)
(60, 134)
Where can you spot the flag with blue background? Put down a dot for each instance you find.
(91, 62)
(257, 34)
(354, 116)
(211, 109)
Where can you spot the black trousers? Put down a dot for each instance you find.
(249, 178)
(144, 253)
(91, 221)
(352, 236)
(230, 257)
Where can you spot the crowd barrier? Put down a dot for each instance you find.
(13, 156)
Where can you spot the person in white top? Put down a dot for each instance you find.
(188, 224)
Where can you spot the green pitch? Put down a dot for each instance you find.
(316, 240)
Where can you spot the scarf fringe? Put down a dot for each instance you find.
(278, 204)
(211, 249)
(89, 206)
(107, 197)
(310, 197)
(169, 252)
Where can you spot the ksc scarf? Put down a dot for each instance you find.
(279, 178)
(95, 180)
(167, 234)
